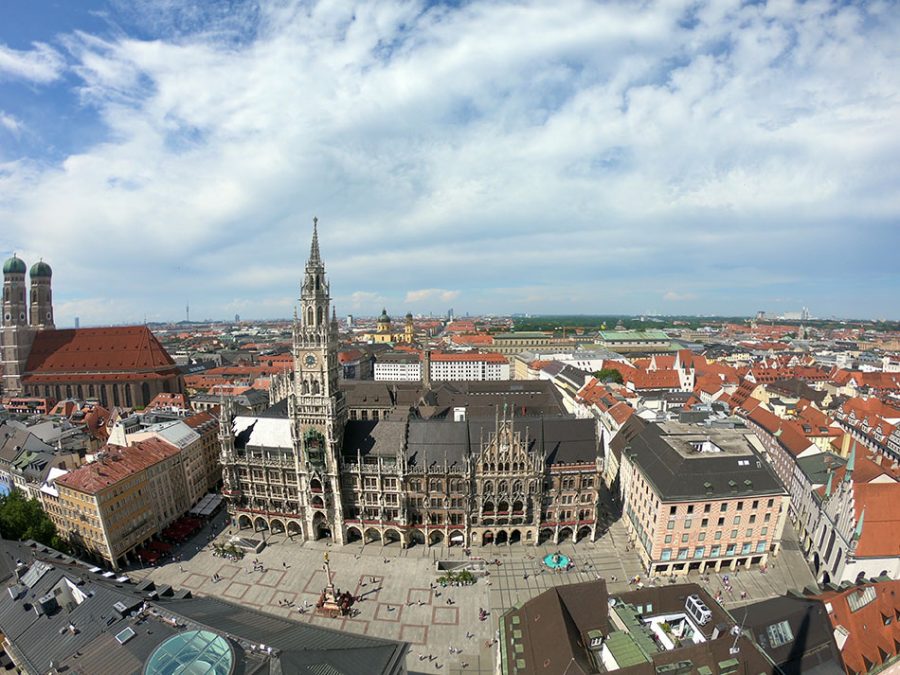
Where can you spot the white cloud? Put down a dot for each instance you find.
(431, 294)
(365, 300)
(672, 296)
(10, 123)
(490, 146)
(41, 64)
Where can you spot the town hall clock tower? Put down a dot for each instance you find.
(317, 407)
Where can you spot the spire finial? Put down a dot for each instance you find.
(314, 248)
(851, 463)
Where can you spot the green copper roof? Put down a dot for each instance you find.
(630, 335)
(14, 266)
(40, 269)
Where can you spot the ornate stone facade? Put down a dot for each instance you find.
(315, 473)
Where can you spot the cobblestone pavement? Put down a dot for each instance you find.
(398, 602)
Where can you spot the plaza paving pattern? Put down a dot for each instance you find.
(397, 601)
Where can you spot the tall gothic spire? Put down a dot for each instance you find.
(314, 247)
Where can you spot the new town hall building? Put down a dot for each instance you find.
(322, 466)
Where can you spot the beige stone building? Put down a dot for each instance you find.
(108, 508)
(112, 506)
(510, 344)
(197, 439)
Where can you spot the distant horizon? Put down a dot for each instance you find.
(515, 315)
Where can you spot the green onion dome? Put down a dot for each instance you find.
(14, 266)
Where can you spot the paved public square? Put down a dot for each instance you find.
(398, 601)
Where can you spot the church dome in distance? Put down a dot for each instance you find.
(14, 266)
(40, 269)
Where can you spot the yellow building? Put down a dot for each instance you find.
(384, 332)
(109, 507)
(409, 329)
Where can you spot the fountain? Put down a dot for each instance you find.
(557, 561)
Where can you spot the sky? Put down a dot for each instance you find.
(672, 157)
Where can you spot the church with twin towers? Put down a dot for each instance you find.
(42, 364)
(468, 464)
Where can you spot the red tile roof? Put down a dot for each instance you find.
(479, 340)
(620, 412)
(663, 362)
(869, 639)
(814, 422)
(461, 326)
(865, 407)
(764, 375)
(245, 371)
(686, 359)
(165, 400)
(200, 419)
(789, 433)
(472, 357)
(283, 361)
(880, 536)
(709, 384)
(120, 350)
(115, 464)
(865, 471)
(653, 379)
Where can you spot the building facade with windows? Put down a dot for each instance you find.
(698, 499)
(108, 508)
(471, 367)
(398, 367)
(406, 473)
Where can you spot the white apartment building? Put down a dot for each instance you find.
(406, 367)
(470, 367)
(398, 367)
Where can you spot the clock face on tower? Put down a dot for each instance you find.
(310, 360)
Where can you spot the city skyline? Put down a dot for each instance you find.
(496, 158)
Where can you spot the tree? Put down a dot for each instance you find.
(609, 375)
(23, 519)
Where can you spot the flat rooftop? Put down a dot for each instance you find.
(686, 462)
(693, 442)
